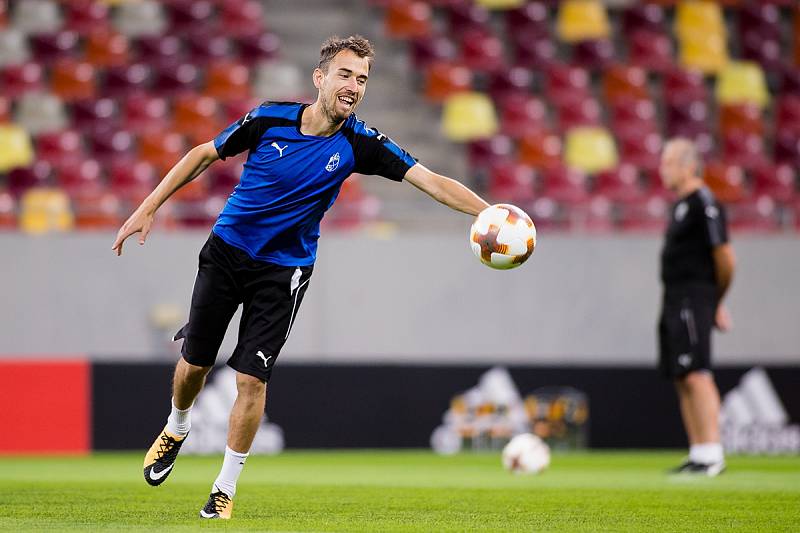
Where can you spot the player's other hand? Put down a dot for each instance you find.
(723, 319)
(139, 222)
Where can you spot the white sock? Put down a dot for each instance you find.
(706, 453)
(179, 421)
(232, 466)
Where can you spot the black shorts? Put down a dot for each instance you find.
(684, 330)
(270, 294)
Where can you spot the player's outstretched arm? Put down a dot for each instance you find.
(445, 190)
(184, 171)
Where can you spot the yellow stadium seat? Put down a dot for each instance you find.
(706, 53)
(590, 149)
(580, 20)
(16, 149)
(500, 4)
(699, 17)
(740, 83)
(468, 116)
(44, 210)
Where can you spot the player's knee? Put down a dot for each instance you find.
(696, 379)
(250, 387)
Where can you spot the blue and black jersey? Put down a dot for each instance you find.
(291, 179)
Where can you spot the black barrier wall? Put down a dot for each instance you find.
(344, 406)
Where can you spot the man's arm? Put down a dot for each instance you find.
(724, 265)
(184, 171)
(445, 190)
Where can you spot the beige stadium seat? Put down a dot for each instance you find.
(581, 20)
(37, 16)
(13, 47)
(277, 80)
(40, 112)
(469, 116)
(590, 149)
(16, 149)
(135, 19)
(741, 83)
(43, 210)
(500, 4)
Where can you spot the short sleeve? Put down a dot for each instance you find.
(716, 224)
(242, 135)
(375, 153)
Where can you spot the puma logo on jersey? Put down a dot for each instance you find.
(333, 163)
(279, 149)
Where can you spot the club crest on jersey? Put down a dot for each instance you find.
(333, 163)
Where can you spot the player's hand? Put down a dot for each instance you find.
(139, 222)
(723, 319)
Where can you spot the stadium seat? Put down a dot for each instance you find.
(227, 80)
(60, 148)
(596, 216)
(727, 181)
(140, 18)
(509, 82)
(763, 18)
(742, 82)
(625, 83)
(593, 54)
(161, 51)
(762, 49)
(469, 116)
(97, 210)
(512, 182)
(699, 17)
(759, 214)
(197, 118)
(485, 153)
(43, 210)
(208, 45)
(529, 19)
(240, 19)
(741, 118)
(580, 20)
(787, 148)
(567, 186)
(788, 113)
(92, 115)
(13, 47)
(790, 79)
(630, 116)
(643, 151)
(779, 182)
(81, 179)
(185, 16)
(145, 114)
(112, 146)
(465, 17)
(686, 118)
(649, 215)
(706, 52)
(51, 47)
(162, 150)
(16, 149)
(443, 80)
(535, 51)
(583, 113)
(36, 16)
(567, 85)
(107, 49)
(540, 149)
(643, 17)
(8, 210)
(177, 80)
(650, 50)
(258, 46)
(133, 182)
(276, 80)
(520, 114)
(500, 4)
(40, 112)
(430, 49)
(408, 19)
(17, 80)
(590, 149)
(23, 178)
(73, 80)
(548, 214)
(481, 51)
(682, 85)
(620, 184)
(744, 149)
(125, 81)
(84, 16)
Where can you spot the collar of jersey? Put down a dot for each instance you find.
(300, 123)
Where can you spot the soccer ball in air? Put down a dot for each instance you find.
(526, 454)
(503, 236)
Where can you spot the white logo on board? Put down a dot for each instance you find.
(333, 163)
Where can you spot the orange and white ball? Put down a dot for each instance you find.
(503, 236)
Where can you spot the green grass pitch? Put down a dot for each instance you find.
(403, 491)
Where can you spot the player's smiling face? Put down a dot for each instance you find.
(342, 88)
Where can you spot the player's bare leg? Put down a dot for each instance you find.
(687, 412)
(700, 406)
(244, 422)
(160, 458)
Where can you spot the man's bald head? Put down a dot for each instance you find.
(679, 163)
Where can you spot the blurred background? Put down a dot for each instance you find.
(558, 107)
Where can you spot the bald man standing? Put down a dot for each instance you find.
(697, 266)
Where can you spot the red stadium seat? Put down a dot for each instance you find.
(622, 83)
(645, 16)
(759, 214)
(596, 216)
(84, 16)
(133, 182)
(787, 148)
(593, 54)
(84, 178)
(197, 117)
(162, 150)
(163, 51)
(107, 49)
(446, 79)
(535, 51)
(740, 118)
(91, 115)
(188, 15)
(548, 214)
(124, 81)
(50, 47)
(760, 17)
(258, 46)
(643, 151)
(482, 51)
(408, 19)
(145, 113)
(620, 185)
(776, 181)
(240, 19)
(540, 149)
(632, 117)
(206, 46)
(649, 215)
(531, 19)
(744, 149)
(431, 49)
(684, 85)
(21, 179)
(687, 118)
(566, 186)
(520, 114)
(651, 50)
(763, 49)
(467, 17)
(567, 85)
(727, 181)
(487, 153)
(73, 80)
(61, 148)
(583, 113)
(98, 209)
(790, 80)
(788, 113)
(510, 82)
(512, 182)
(227, 80)
(17, 80)
(113, 146)
(176, 80)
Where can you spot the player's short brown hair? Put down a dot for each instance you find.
(335, 44)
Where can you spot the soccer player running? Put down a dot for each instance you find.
(262, 248)
(697, 264)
